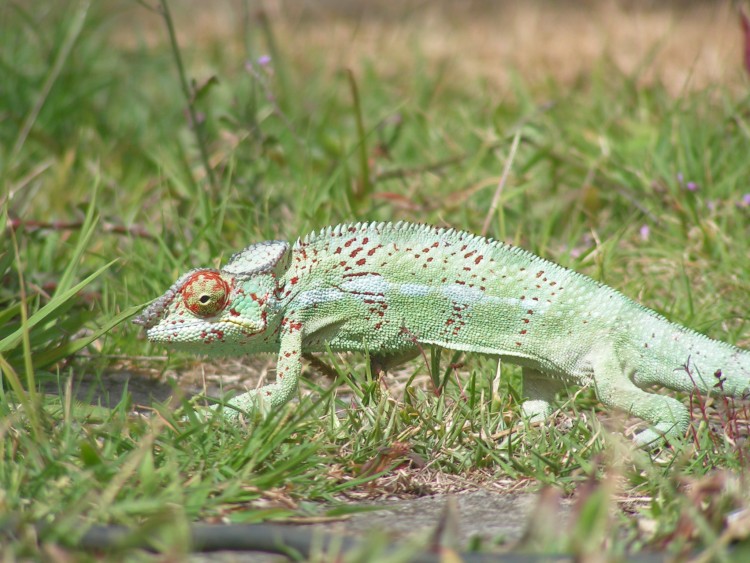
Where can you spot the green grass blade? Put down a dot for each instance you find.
(55, 303)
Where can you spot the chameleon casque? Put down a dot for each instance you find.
(389, 288)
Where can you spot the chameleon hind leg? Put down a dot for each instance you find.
(539, 391)
(669, 418)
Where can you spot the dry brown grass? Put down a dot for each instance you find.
(686, 45)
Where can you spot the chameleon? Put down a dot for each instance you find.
(389, 289)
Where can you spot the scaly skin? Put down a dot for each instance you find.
(389, 288)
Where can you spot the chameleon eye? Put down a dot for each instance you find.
(205, 293)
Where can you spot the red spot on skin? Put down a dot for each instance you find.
(295, 326)
(553, 283)
(348, 243)
(355, 252)
(294, 280)
(540, 273)
(478, 259)
(361, 262)
(527, 320)
(365, 240)
(523, 331)
(378, 325)
(518, 343)
(470, 254)
(234, 312)
(371, 251)
(522, 269)
(342, 263)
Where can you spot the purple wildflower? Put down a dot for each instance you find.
(645, 232)
(746, 200)
(691, 187)
(264, 60)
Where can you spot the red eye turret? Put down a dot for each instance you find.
(205, 293)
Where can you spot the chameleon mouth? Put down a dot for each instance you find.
(193, 336)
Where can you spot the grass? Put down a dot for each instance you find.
(122, 169)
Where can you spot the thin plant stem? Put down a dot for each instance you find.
(188, 92)
(501, 183)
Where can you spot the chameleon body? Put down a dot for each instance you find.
(388, 289)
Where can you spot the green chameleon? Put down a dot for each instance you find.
(388, 289)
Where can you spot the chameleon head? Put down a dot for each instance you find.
(206, 306)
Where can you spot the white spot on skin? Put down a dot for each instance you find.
(414, 289)
(314, 296)
(463, 294)
(366, 284)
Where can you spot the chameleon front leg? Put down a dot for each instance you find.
(288, 371)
